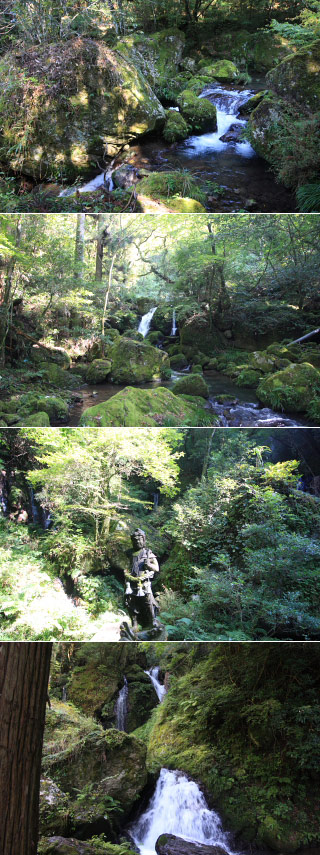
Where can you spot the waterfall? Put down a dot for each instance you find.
(145, 322)
(177, 807)
(64, 694)
(121, 708)
(104, 179)
(155, 501)
(158, 687)
(174, 325)
(4, 504)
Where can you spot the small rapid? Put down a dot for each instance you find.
(121, 708)
(227, 103)
(177, 807)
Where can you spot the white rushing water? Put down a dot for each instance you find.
(145, 322)
(228, 104)
(178, 807)
(158, 687)
(102, 180)
(121, 709)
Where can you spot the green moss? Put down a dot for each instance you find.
(37, 420)
(199, 113)
(298, 77)
(178, 361)
(98, 370)
(192, 384)
(55, 407)
(248, 377)
(165, 185)
(142, 407)
(136, 362)
(175, 128)
(46, 131)
(290, 389)
(253, 102)
(222, 70)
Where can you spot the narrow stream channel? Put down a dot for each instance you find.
(246, 180)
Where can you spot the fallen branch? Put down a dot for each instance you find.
(304, 337)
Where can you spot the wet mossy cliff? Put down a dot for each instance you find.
(242, 720)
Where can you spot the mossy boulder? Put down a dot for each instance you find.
(97, 103)
(98, 370)
(55, 407)
(142, 698)
(57, 355)
(78, 753)
(261, 361)
(185, 205)
(248, 377)
(196, 369)
(143, 408)
(290, 389)
(37, 420)
(298, 77)
(54, 815)
(192, 384)
(197, 332)
(263, 122)
(176, 127)
(199, 113)
(222, 70)
(157, 55)
(58, 845)
(137, 362)
(178, 361)
(253, 102)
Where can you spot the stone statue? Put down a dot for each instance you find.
(139, 599)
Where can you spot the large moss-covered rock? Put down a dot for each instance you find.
(78, 753)
(143, 407)
(58, 845)
(222, 70)
(290, 389)
(69, 103)
(197, 332)
(261, 361)
(142, 698)
(199, 113)
(158, 55)
(55, 407)
(99, 370)
(192, 384)
(253, 102)
(178, 361)
(298, 77)
(176, 127)
(263, 122)
(37, 420)
(137, 362)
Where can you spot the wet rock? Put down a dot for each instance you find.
(143, 407)
(252, 103)
(175, 128)
(233, 134)
(125, 176)
(298, 77)
(199, 113)
(137, 362)
(169, 844)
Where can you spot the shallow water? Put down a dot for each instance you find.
(246, 412)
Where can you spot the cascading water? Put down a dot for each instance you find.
(145, 322)
(158, 687)
(228, 104)
(178, 807)
(104, 179)
(64, 694)
(155, 501)
(121, 709)
(34, 507)
(174, 325)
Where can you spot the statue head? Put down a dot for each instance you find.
(138, 539)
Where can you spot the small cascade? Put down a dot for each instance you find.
(228, 103)
(64, 694)
(4, 502)
(121, 708)
(177, 807)
(156, 497)
(145, 322)
(159, 688)
(174, 325)
(104, 179)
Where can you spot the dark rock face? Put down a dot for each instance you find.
(169, 844)
(233, 134)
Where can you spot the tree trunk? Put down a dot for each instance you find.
(79, 247)
(24, 675)
(101, 242)
(7, 279)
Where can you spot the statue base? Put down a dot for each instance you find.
(157, 632)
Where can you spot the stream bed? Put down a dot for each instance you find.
(240, 409)
(245, 179)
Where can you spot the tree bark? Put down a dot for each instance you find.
(79, 247)
(5, 301)
(102, 239)
(24, 675)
